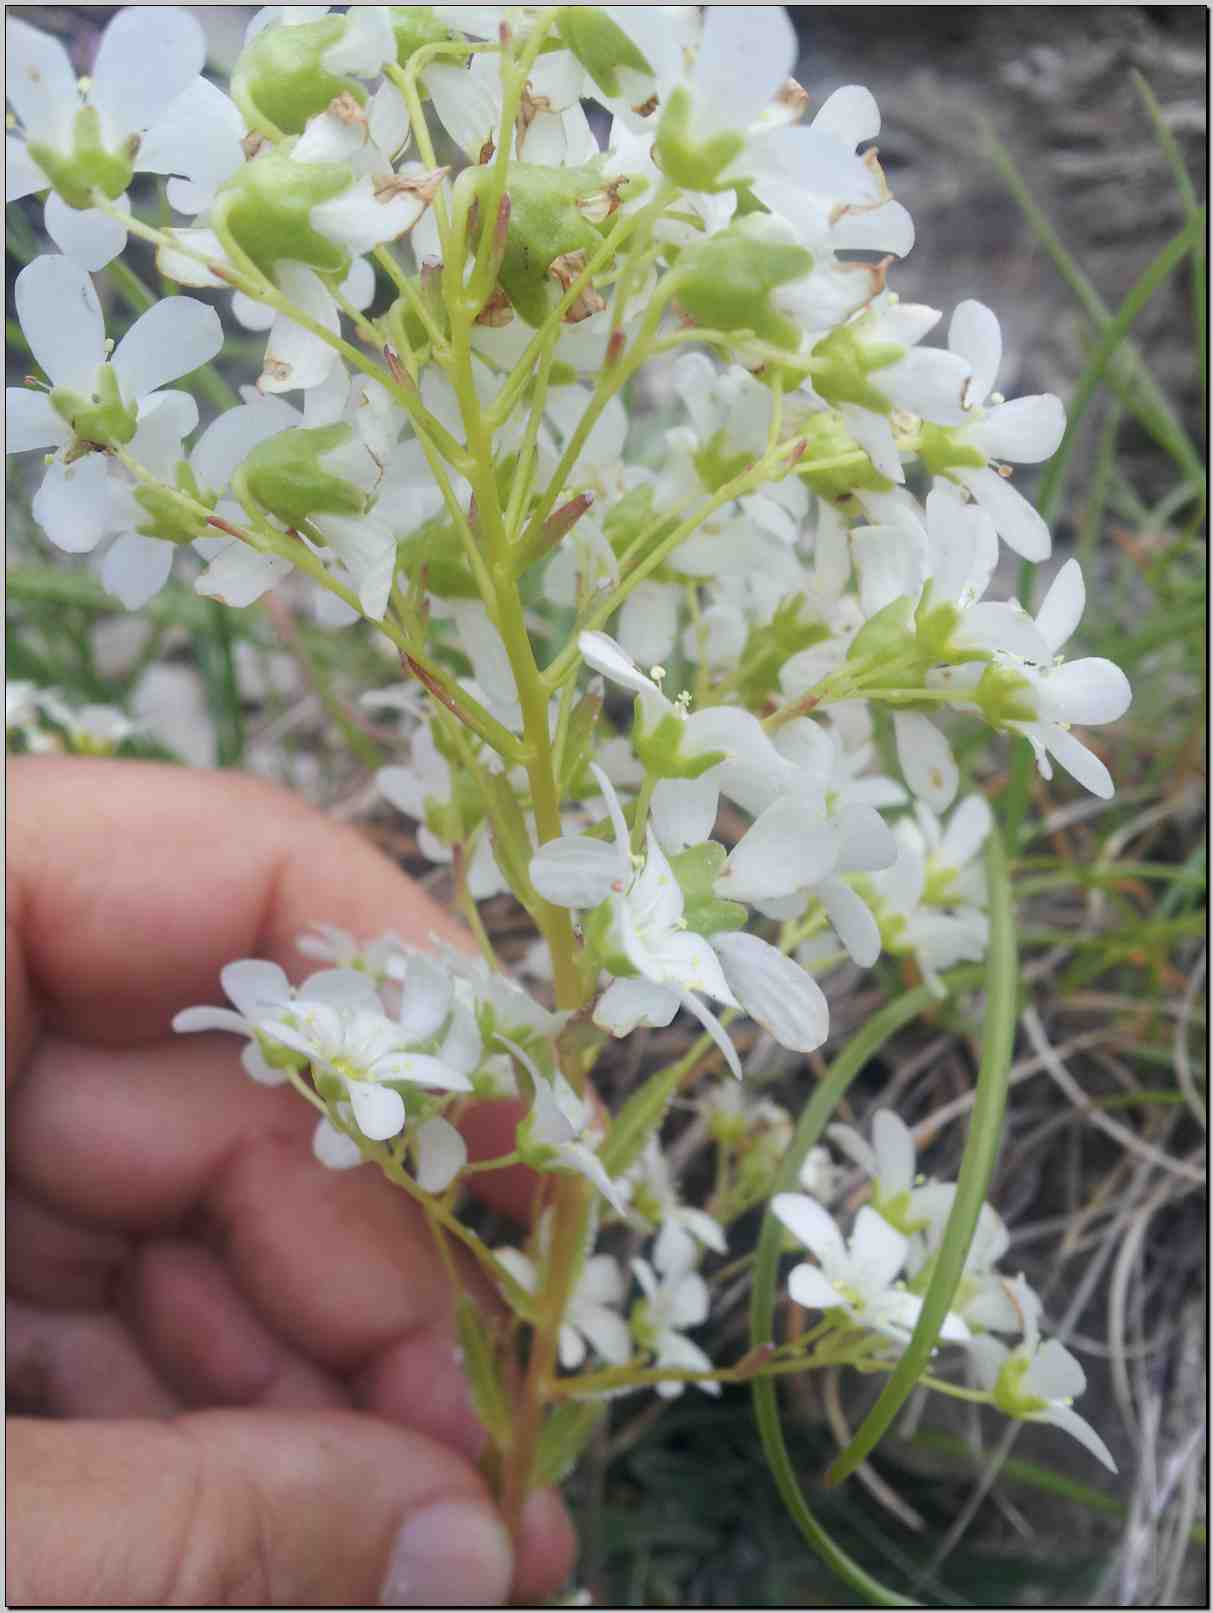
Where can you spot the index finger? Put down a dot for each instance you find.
(131, 884)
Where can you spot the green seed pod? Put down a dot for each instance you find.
(286, 476)
(280, 80)
(727, 282)
(617, 66)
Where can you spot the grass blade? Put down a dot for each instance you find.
(977, 1166)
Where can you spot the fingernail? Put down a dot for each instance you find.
(454, 1554)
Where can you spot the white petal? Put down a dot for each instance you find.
(334, 1148)
(628, 1003)
(426, 1001)
(258, 1067)
(185, 269)
(147, 56)
(22, 175)
(1067, 1419)
(1088, 691)
(76, 506)
(441, 1155)
(852, 920)
(1061, 610)
(874, 434)
(891, 563)
(239, 575)
(775, 991)
(745, 54)
(976, 336)
(605, 656)
(815, 1227)
(850, 115)
(648, 622)
(173, 338)
(929, 382)
(378, 1110)
(210, 1019)
(358, 287)
(967, 830)
(878, 1251)
(814, 160)
(367, 547)
(40, 82)
(1080, 763)
(684, 811)
(1019, 526)
(87, 236)
(609, 1334)
(1054, 1374)
(714, 1029)
(388, 121)
(197, 135)
(136, 568)
(926, 759)
(467, 102)
(364, 47)
(30, 422)
(340, 988)
(575, 871)
(786, 848)
(1026, 431)
(894, 1152)
(296, 357)
(255, 986)
(811, 1288)
(856, 1147)
(227, 442)
(61, 320)
(887, 228)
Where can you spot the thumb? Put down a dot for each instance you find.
(252, 1509)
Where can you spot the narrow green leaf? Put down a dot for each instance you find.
(816, 1116)
(976, 1169)
(480, 1367)
(638, 1120)
(563, 1438)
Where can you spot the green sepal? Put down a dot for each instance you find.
(940, 450)
(659, 748)
(697, 869)
(284, 476)
(1000, 696)
(478, 1346)
(279, 81)
(715, 916)
(414, 27)
(545, 223)
(886, 634)
(768, 648)
(168, 519)
(601, 46)
(828, 438)
(1008, 1396)
(842, 364)
(726, 283)
(565, 1434)
(102, 418)
(263, 212)
(715, 466)
(88, 166)
(575, 778)
(602, 943)
(689, 163)
(433, 556)
(511, 840)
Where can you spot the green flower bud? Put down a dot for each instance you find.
(601, 47)
(280, 81)
(285, 477)
(264, 210)
(103, 419)
(1003, 696)
(940, 450)
(727, 282)
(88, 166)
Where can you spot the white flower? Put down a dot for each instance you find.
(1036, 1382)
(146, 59)
(421, 791)
(591, 1319)
(655, 1196)
(362, 1048)
(676, 1298)
(1024, 432)
(859, 1278)
(888, 1159)
(558, 1132)
(820, 1177)
(984, 1296)
(82, 499)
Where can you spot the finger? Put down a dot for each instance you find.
(248, 1509)
(79, 1364)
(132, 884)
(202, 1337)
(52, 1260)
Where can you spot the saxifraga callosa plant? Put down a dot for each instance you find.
(604, 638)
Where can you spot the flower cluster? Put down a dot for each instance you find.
(581, 388)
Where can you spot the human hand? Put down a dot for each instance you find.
(243, 1364)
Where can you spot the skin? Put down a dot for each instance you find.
(240, 1366)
